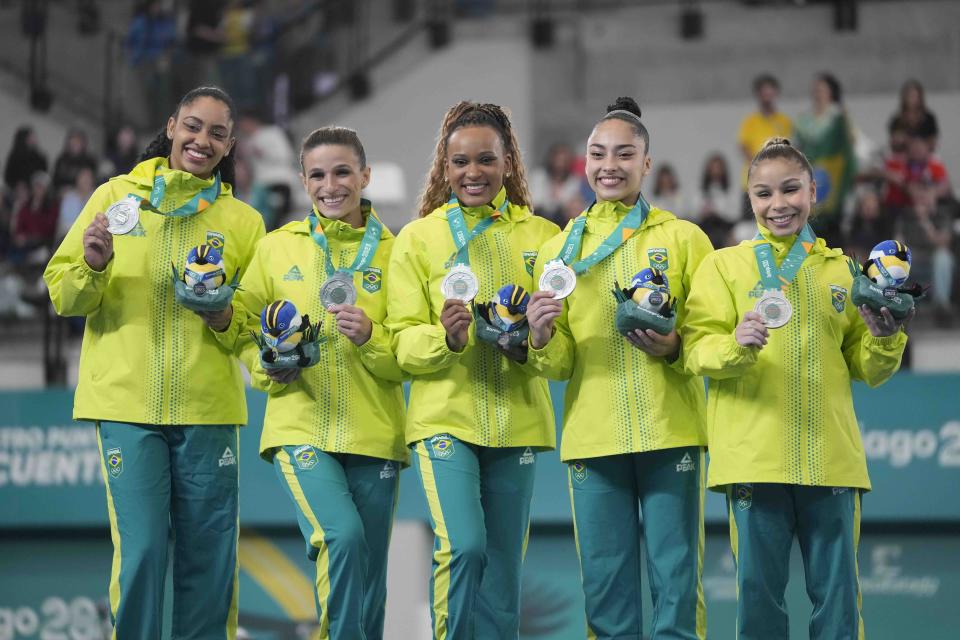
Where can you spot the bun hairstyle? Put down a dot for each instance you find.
(436, 191)
(333, 135)
(780, 148)
(161, 145)
(626, 109)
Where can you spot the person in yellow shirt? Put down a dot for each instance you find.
(333, 430)
(634, 427)
(770, 324)
(477, 415)
(761, 125)
(167, 399)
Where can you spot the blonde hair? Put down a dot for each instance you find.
(436, 191)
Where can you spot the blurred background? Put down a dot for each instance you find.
(870, 87)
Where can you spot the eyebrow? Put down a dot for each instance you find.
(342, 165)
(616, 148)
(197, 120)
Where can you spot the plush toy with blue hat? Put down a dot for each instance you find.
(286, 338)
(503, 321)
(880, 282)
(202, 285)
(646, 304)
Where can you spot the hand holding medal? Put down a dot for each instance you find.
(352, 322)
(98, 243)
(752, 331)
(456, 319)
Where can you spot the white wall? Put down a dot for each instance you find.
(400, 122)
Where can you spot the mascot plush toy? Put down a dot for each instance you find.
(503, 321)
(286, 338)
(201, 288)
(646, 304)
(880, 283)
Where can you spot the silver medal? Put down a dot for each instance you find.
(460, 284)
(558, 278)
(338, 289)
(775, 309)
(122, 216)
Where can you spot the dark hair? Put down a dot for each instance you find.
(763, 80)
(836, 91)
(161, 146)
(777, 148)
(664, 170)
(724, 179)
(333, 135)
(20, 139)
(472, 114)
(627, 110)
(912, 83)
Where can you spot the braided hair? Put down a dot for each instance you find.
(161, 145)
(436, 191)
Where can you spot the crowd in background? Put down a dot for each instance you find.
(898, 191)
(866, 193)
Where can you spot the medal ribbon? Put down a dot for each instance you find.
(196, 204)
(772, 278)
(368, 245)
(462, 235)
(624, 231)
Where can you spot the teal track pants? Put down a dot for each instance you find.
(183, 478)
(345, 505)
(479, 501)
(607, 495)
(764, 518)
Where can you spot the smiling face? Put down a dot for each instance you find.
(617, 162)
(334, 180)
(200, 136)
(781, 195)
(476, 164)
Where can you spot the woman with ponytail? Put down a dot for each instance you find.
(770, 324)
(477, 415)
(167, 399)
(633, 427)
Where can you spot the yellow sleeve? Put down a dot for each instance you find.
(76, 289)
(709, 346)
(236, 333)
(419, 340)
(556, 359)
(871, 359)
(698, 247)
(377, 355)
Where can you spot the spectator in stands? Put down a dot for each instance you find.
(204, 37)
(273, 164)
(927, 224)
(74, 157)
(246, 190)
(758, 127)
(825, 136)
(717, 204)
(25, 158)
(74, 199)
(35, 222)
(150, 40)
(666, 192)
(122, 152)
(913, 115)
(871, 223)
(555, 187)
(236, 64)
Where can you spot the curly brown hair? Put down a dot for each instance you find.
(436, 191)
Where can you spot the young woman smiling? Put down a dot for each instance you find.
(166, 397)
(769, 323)
(633, 428)
(476, 417)
(333, 431)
